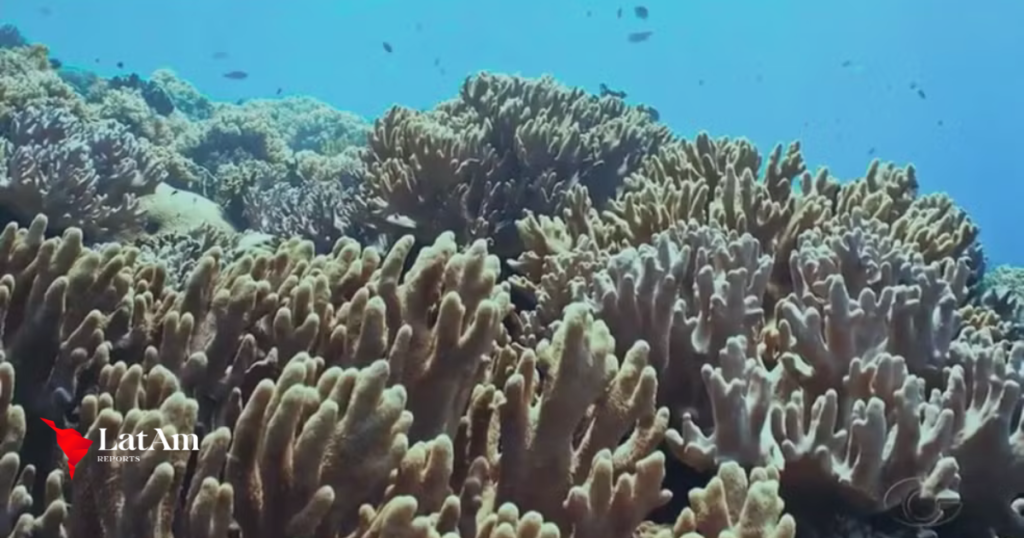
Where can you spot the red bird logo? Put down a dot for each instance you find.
(72, 443)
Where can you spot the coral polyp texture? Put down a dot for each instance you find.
(529, 312)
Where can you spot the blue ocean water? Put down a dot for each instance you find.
(843, 77)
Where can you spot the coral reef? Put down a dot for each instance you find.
(315, 210)
(87, 175)
(260, 144)
(528, 312)
(185, 97)
(28, 79)
(155, 97)
(1002, 293)
(225, 153)
(507, 145)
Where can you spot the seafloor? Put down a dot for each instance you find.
(528, 312)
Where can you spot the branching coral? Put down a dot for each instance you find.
(186, 98)
(788, 337)
(179, 252)
(716, 182)
(28, 79)
(81, 174)
(140, 106)
(506, 145)
(315, 210)
(225, 152)
(307, 124)
(259, 145)
(292, 355)
(1001, 302)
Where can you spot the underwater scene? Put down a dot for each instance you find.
(571, 268)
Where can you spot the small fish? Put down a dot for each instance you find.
(278, 92)
(618, 14)
(236, 75)
(437, 62)
(871, 151)
(45, 11)
(846, 63)
(120, 65)
(419, 27)
(913, 85)
(758, 77)
(240, 101)
(55, 63)
(97, 60)
(941, 123)
(220, 55)
(175, 191)
(605, 92)
(700, 82)
(920, 93)
(641, 12)
(387, 48)
(589, 13)
(639, 37)
(443, 72)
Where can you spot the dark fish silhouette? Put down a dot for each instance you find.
(45, 11)
(641, 12)
(920, 93)
(55, 63)
(236, 75)
(700, 82)
(278, 92)
(239, 102)
(941, 123)
(387, 48)
(847, 63)
(913, 85)
(589, 13)
(618, 14)
(419, 27)
(120, 65)
(605, 92)
(871, 151)
(437, 62)
(639, 37)
(97, 60)
(220, 55)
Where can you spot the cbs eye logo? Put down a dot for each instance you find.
(915, 509)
